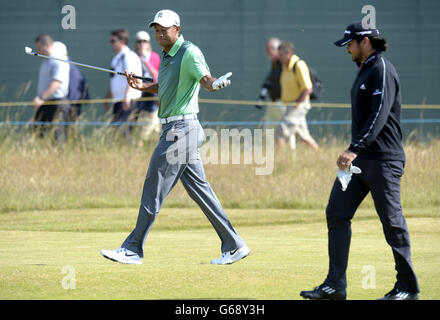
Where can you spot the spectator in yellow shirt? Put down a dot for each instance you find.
(296, 87)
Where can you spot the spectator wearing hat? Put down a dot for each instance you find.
(146, 111)
(78, 86)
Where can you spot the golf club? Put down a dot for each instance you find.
(29, 51)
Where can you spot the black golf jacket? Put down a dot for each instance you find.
(376, 108)
(272, 81)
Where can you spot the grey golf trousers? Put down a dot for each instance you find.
(177, 156)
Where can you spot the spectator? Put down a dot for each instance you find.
(53, 86)
(78, 86)
(296, 87)
(146, 111)
(119, 90)
(271, 84)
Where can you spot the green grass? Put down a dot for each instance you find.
(288, 255)
(60, 205)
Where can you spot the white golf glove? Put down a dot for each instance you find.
(344, 176)
(222, 82)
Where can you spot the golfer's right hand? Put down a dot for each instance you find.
(133, 82)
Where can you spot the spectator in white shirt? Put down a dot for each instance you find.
(119, 90)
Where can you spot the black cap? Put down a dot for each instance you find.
(356, 31)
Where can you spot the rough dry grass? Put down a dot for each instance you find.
(97, 173)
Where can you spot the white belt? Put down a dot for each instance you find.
(176, 118)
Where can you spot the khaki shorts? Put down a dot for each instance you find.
(294, 122)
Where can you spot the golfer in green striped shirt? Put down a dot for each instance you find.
(177, 156)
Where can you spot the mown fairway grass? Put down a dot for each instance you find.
(288, 255)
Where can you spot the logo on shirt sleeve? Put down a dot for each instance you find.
(362, 87)
(376, 92)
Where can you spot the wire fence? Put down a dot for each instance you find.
(208, 123)
(426, 122)
(212, 101)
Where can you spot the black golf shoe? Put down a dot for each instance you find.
(324, 292)
(398, 294)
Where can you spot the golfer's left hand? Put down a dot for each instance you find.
(37, 102)
(222, 82)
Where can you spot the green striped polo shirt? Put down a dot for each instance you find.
(180, 72)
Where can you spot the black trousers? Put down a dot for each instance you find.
(382, 179)
(121, 115)
(49, 113)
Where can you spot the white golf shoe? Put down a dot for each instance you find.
(230, 257)
(122, 255)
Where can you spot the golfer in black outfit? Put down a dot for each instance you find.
(377, 150)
